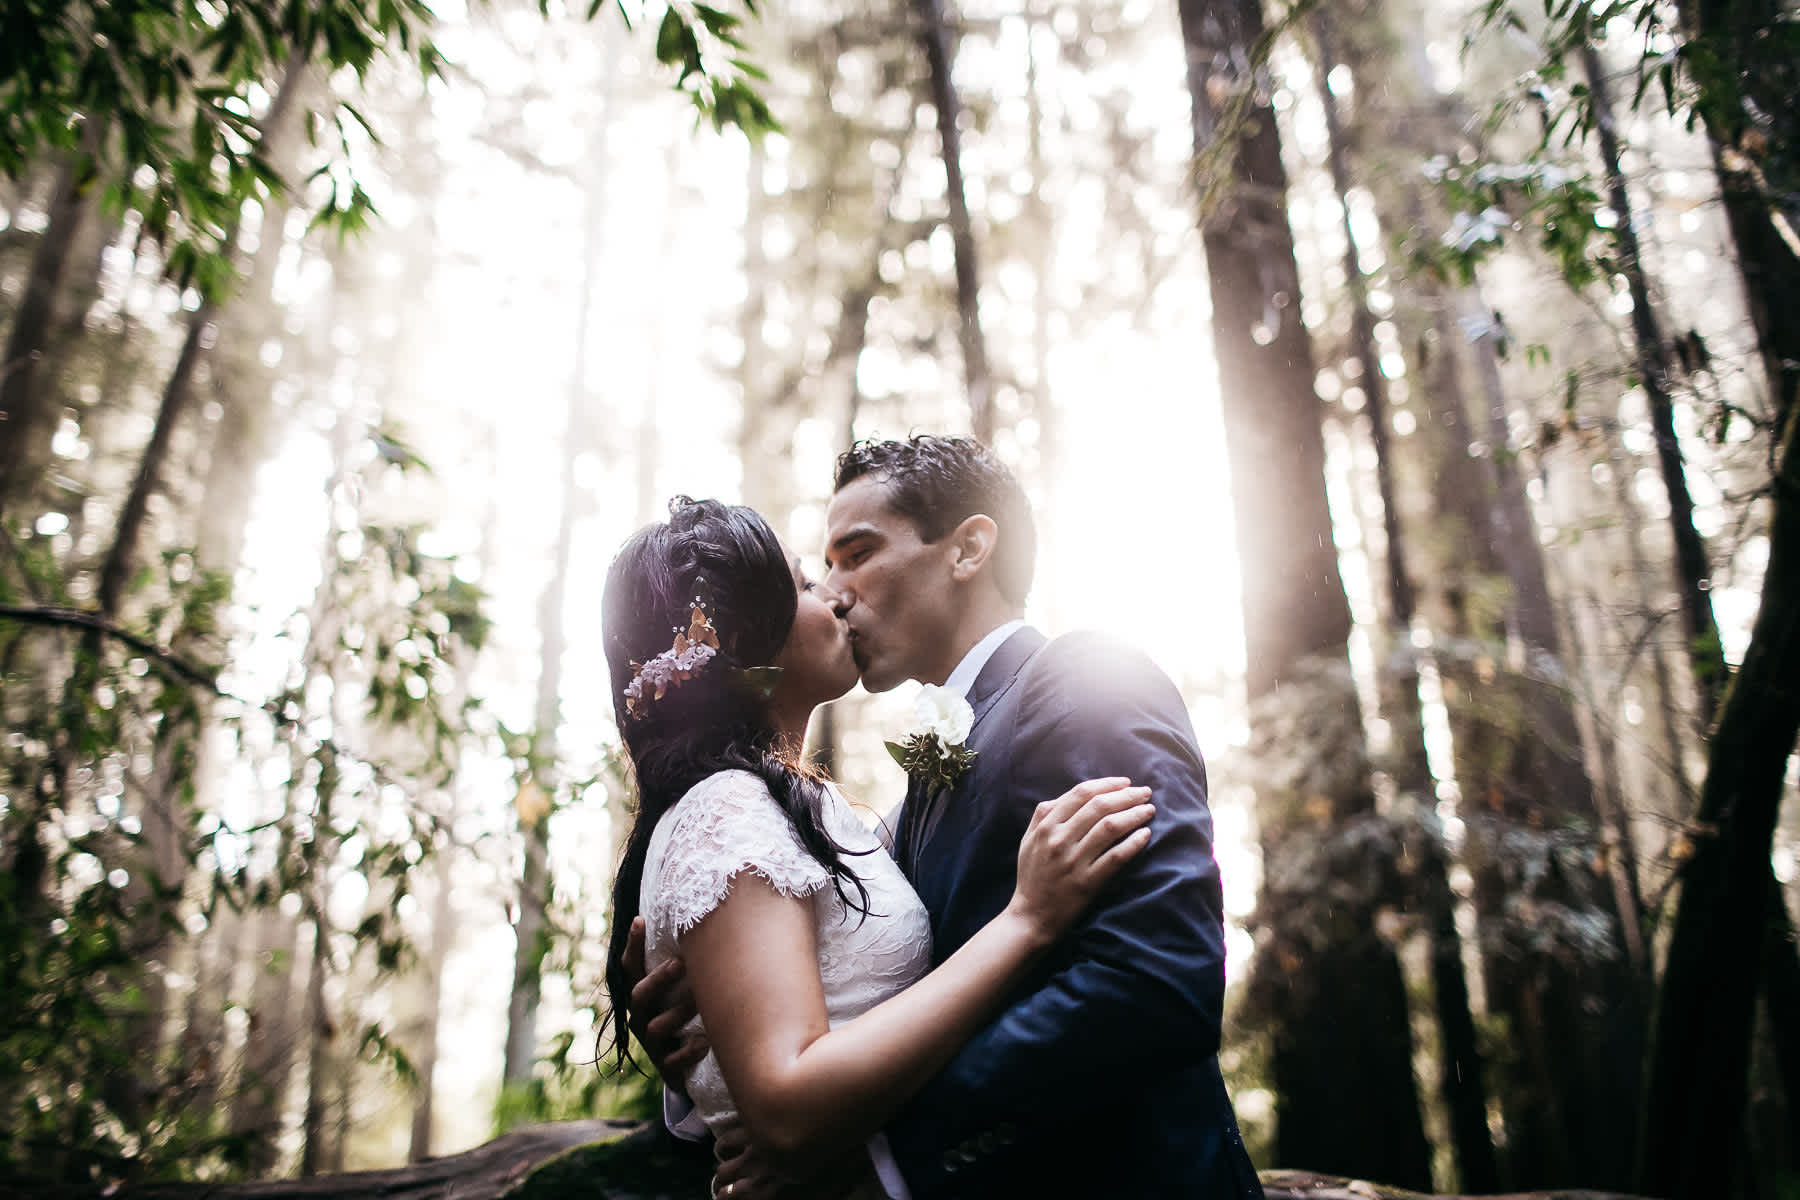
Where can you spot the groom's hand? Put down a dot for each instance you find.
(661, 1003)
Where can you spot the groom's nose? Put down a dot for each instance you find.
(839, 601)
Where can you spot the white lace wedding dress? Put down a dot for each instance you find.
(727, 824)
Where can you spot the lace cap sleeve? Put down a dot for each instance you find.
(726, 825)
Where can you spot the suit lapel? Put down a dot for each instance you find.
(1002, 671)
(906, 835)
(925, 809)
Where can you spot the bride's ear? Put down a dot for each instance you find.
(972, 546)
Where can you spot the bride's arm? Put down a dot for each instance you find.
(804, 1089)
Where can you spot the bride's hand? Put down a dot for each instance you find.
(1073, 845)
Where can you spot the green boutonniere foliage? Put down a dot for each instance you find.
(924, 757)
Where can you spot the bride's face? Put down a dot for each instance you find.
(816, 663)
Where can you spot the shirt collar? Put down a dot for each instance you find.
(963, 678)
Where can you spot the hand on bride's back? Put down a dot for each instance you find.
(1073, 846)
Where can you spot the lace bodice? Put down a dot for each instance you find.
(728, 824)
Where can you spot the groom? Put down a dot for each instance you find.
(1101, 1077)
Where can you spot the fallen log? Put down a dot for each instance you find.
(618, 1160)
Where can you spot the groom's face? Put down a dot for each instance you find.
(892, 587)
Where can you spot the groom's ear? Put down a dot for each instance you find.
(972, 546)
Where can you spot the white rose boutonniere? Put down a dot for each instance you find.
(934, 752)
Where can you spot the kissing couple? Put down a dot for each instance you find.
(1021, 995)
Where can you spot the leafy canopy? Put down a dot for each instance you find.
(161, 103)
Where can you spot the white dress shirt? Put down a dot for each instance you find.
(969, 669)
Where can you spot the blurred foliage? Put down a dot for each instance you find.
(1739, 81)
(571, 1085)
(1733, 67)
(114, 862)
(159, 103)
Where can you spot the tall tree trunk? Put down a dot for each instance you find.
(248, 428)
(343, 1100)
(1760, 89)
(203, 1036)
(1043, 266)
(1577, 1014)
(275, 1035)
(443, 915)
(178, 391)
(1781, 1001)
(1297, 626)
(1760, 84)
(320, 1032)
(320, 848)
(1399, 668)
(1463, 1085)
(935, 36)
(530, 927)
(1699, 1059)
(754, 452)
(27, 410)
(271, 942)
(1516, 742)
(1693, 572)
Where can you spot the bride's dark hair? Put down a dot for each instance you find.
(727, 556)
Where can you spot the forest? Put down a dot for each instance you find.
(1413, 380)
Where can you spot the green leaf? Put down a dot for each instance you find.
(669, 37)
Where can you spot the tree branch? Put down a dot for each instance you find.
(78, 618)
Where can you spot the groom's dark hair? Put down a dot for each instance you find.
(939, 482)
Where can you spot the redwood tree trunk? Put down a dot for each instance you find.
(530, 925)
(1761, 82)
(1463, 1086)
(1693, 572)
(1339, 1007)
(1699, 1060)
(934, 35)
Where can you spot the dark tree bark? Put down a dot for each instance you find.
(1699, 1058)
(1464, 1086)
(1655, 368)
(934, 35)
(1297, 625)
(1399, 669)
(1781, 1001)
(1693, 571)
(1751, 101)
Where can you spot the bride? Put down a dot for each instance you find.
(807, 951)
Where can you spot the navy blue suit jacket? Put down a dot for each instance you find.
(1101, 1077)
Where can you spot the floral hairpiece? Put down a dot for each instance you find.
(692, 650)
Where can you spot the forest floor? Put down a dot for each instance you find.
(617, 1160)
